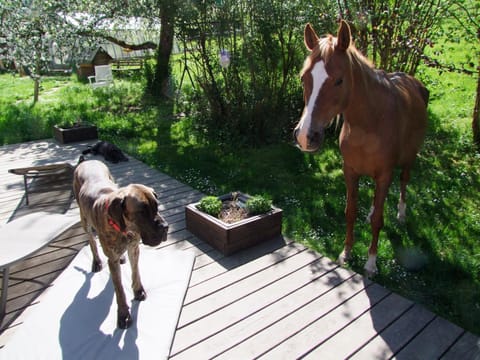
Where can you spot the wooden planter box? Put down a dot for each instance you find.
(229, 238)
(75, 133)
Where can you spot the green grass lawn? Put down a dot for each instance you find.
(433, 259)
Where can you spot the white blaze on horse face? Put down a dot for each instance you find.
(319, 75)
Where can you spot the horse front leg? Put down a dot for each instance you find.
(351, 182)
(376, 222)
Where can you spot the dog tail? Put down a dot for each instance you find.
(80, 159)
(87, 151)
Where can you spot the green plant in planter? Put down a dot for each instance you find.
(258, 205)
(211, 205)
(72, 123)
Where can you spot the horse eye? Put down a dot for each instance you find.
(339, 82)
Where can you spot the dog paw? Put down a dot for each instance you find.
(140, 295)
(96, 266)
(124, 321)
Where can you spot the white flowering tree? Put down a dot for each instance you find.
(29, 28)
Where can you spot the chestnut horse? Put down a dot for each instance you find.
(384, 123)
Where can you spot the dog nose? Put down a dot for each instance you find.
(161, 223)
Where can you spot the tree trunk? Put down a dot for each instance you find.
(160, 86)
(36, 88)
(476, 114)
(476, 109)
(36, 77)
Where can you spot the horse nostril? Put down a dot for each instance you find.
(295, 134)
(314, 138)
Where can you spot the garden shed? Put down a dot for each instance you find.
(108, 52)
(99, 57)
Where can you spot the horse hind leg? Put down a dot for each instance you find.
(402, 204)
(351, 180)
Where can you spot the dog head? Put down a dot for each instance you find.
(135, 209)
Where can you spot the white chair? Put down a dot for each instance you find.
(103, 76)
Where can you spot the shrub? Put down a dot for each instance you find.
(211, 205)
(258, 205)
(257, 98)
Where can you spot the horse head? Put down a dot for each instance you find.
(327, 80)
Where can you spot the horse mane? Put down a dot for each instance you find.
(325, 48)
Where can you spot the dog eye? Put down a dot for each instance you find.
(338, 82)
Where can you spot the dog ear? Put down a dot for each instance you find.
(153, 201)
(155, 195)
(116, 210)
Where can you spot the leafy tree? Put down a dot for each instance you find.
(153, 13)
(244, 58)
(393, 33)
(29, 28)
(467, 14)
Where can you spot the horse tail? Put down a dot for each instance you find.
(424, 93)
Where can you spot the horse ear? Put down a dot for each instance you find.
(310, 37)
(115, 211)
(344, 36)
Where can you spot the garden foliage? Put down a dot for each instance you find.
(257, 98)
(243, 57)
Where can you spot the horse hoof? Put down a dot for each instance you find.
(370, 267)
(370, 273)
(343, 258)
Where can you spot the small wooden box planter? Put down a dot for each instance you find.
(229, 238)
(74, 133)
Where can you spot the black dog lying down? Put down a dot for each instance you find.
(109, 151)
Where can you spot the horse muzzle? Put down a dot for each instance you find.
(309, 142)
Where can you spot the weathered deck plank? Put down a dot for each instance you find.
(277, 300)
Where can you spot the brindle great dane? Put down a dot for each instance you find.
(121, 217)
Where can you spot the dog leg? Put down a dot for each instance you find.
(124, 320)
(96, 263)
(133, 255)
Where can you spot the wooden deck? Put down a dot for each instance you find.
(278, 300)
